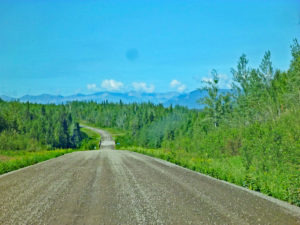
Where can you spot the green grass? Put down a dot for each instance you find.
(277, 183)
(91, 139)
(13, 160)
(115, 133)
(230, 169)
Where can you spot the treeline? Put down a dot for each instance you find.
(25, 126)
(253, 129)
(133, 118)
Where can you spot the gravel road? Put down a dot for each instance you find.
(121, 187)
(107, 142)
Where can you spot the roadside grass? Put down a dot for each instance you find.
(91, 139)
(278, 183)
(115, 133)
(230, 169)
(13, 160)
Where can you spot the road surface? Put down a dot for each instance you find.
(107, 141)
(121, 187)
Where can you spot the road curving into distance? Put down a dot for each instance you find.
(107, 141)
(121, 187)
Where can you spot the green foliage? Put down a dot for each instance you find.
(13, 160)
(218, 105)
(90, 139)
(25, 126)
(145, 124)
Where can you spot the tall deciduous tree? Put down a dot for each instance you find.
(216, 103)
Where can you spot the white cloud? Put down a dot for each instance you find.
(181, 88)
(207, 79)
(91, 87)
(112, 85)
(225, 81)
(174, 83)
(143, 87)
(178, 85)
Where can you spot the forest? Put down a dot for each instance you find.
(26, 126)
(249, 136)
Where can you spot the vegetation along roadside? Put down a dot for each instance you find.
(27, 148)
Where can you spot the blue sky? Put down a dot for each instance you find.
(67, 47)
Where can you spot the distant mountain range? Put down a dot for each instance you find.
(170, 98)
